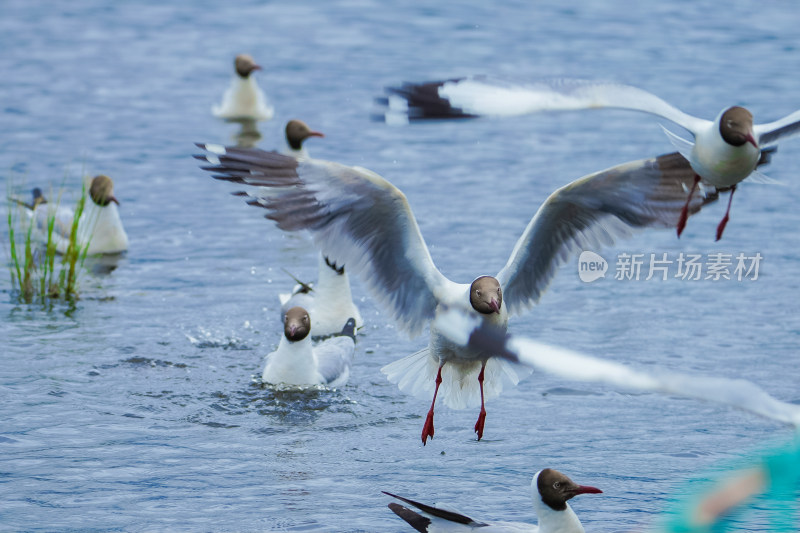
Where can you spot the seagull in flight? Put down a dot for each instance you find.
(360, 219)
(724, 152)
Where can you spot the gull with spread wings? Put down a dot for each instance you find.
(358, 218)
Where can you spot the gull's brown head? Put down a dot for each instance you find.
(245, 64)
(296, 324)
(297, 132)
(102, 190)
(485, 295)
(736, 127)
(556, 489)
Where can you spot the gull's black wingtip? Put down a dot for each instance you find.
(424, 101)
(415, 520)
(349, 329)
(225, 177)
(444, 514)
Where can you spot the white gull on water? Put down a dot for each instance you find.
(298, 362)
(550, 491)
(244, 99)
(99, 225)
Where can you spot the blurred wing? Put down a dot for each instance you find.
(592, 212)
(772, 131)
(356, 218)
(683, 146)
(482, 96)
(465, 329)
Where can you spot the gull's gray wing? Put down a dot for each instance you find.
(334, 358)
(355, 217)
(483, 96)
(592, 212)
(772, 131)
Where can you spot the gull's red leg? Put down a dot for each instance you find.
(724, 221)
(685, 211)
(427, 429)
(482, 415)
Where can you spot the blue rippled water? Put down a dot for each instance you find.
(140, 409)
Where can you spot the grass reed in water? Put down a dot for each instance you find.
(37, 275)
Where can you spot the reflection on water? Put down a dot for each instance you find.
(248, 134)
(103, 264)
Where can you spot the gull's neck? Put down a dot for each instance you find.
(292, 362)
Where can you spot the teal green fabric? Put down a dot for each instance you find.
(775, 510)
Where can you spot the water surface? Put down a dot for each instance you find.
(140, 408)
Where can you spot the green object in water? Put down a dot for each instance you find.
(762, 487)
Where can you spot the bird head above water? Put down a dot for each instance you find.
(245, 64)
(296, 324)
(555, 488)
(297, 132)
(485, 295)
(101, 190)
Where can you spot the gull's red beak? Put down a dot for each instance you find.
(495, 306)
(751, 140)
(315, 134)
(584, 489)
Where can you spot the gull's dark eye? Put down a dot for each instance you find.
(557, 485)
(477, 292)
